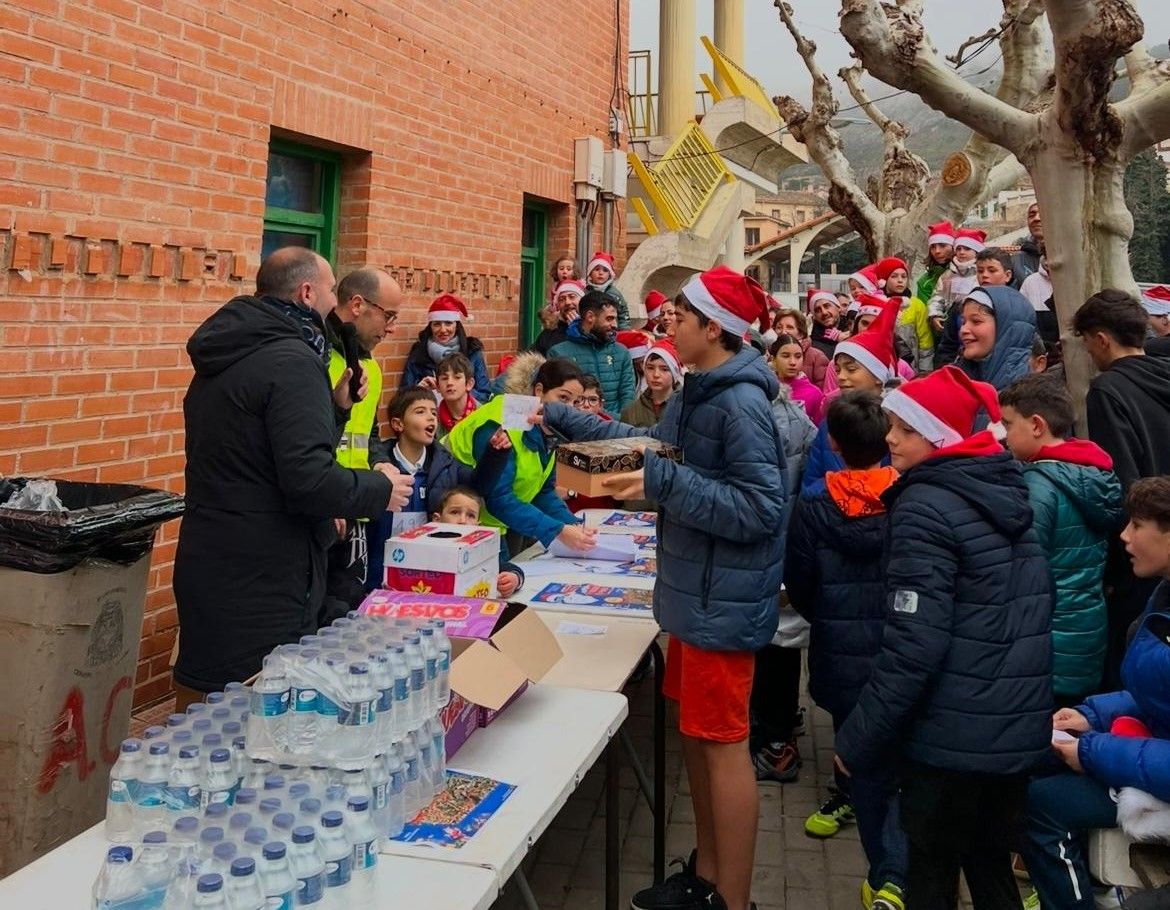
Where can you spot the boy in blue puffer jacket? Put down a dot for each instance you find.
(720, 561)
(961, 691)
(1119, 741)
(1076, 509)
(834, 579)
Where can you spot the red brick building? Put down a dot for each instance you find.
(152, 150)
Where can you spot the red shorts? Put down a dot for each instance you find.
(712, 689)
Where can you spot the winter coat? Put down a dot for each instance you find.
(797, 433)
(821, 457)
(802, 391)
(1015, 329)
(833, 573)
(1128, 409)
(641, 412)
(607, 360)
(721, 512)
(964, 678)
(262, 489)
(549, 338)
(419, 364)
(1126, 761)
(927, 281)
(825, 340)
(1026, 261)
(1076, 508)
(816, 363)
(914, 328)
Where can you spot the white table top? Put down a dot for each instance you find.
(63, 880)
(601, 662)
(544, 743)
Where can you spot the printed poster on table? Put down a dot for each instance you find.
(453, 817)
(596, 599)
(646, 567)
(629, 521)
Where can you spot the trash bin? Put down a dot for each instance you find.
(72, 592)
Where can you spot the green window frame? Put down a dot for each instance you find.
(317, 229)
(533, 270)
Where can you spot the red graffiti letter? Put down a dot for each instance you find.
(110, 753)
(68, 743)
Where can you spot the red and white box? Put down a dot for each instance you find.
(437, 558)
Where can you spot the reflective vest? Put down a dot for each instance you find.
(354, 449)
(531, 471)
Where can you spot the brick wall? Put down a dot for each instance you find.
(132, 182)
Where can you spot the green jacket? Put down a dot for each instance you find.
(608, 361)
(1076, 508)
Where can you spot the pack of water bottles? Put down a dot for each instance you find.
(350, 692)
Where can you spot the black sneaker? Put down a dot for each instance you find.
(777, 763)
(682, 891)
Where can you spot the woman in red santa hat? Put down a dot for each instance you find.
(444, 334)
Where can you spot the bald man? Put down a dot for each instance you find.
(263, 485)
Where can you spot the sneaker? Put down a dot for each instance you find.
(867, 894)
(682, 891)
(889, 897)
(828, 819)
(798, 725)
(1032, 901)
(777, 763)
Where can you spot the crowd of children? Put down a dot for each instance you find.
(906, 462)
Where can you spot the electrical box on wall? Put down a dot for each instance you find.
(614, 182)
(588, 167)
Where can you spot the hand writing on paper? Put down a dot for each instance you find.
(578, 537)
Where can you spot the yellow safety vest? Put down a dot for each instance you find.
(353, 450)
(531, 472)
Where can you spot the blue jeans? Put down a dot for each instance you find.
(1061, 810)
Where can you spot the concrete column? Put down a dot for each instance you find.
(733, 256)
(729, 33)
(676, 65)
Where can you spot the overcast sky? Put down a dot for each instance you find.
(771, 59)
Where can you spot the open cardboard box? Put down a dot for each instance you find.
(497, 648)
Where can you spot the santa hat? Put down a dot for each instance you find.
(730, 298)
(944, 405)
(634, 341)
(971, 238)
(664, 348)
(873, 347)
(1156, 300)
(570, 286)
(815, 294)
(871, 304)
(654, 302)
(886, 267)
(603, 259)
(867, 278)
(943, 232)
(447, 308)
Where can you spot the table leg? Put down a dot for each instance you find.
(658, 806)
(525, 889)
(613, 770)
(636, 764)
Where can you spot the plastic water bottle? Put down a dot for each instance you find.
(357, 782)
(221, 783)
(338, 858)
(309, 812)
(396, 804)
(247, 796)
(283, 824)
(254, 840)
(209, 892)
(414, 793)
(240, 761)
(384, 684)
(209, 838)
(426, 764)
(118, 881)
(418, 682)
(443, 643)
(243, 886)
(216, 814)
(184, 790)
(357, 716)
(176, 720)
(430, 654)
(221, 858)
(379, 793)
(327, 707)
(201, 724)
(239, 823)
(185, 830)
(307, 865)
(275, 877)
(152, 787)
(181, 891)
(268, 710)
(302, 718)
(401, 673)
(123, 789)
(363, 839)
(274, 784)
(299, 790)
(154, 867)
(154, 732)
(438, 754)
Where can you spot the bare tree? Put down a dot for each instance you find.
(1074, 143)
(892, 211)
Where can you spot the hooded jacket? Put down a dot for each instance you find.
(262, 490)
(1076, 508)
(419, 364)
(721, 512)
(1015, 329)
(1125, 761)
(963, 679)
(607, 360)
(833, 576)
(1128, 408)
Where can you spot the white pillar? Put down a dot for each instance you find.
(733, 256)
(676, 65)
(729, 33)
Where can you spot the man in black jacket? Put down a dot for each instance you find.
(262, 484)
(1027, 260)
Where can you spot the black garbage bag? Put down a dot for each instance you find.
(112, 521)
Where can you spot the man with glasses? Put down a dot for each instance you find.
(368, 300)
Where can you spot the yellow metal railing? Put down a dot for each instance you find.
(642, 101)
(738, 80)
(681, 182)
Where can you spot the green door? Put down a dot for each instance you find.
(533, 271)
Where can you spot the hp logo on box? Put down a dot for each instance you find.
(398, 555)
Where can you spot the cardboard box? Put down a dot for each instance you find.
(460, 719)
(583, 467)
(441, 558)
(497, 648)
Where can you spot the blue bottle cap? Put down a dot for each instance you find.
(224, 850)
(256, 836)
(245, 796)
(310, 806)
(153, 732)
(274, 782)
(270, 804)
(119, 854)
(298, 790)
(234, 687)
(160, 749)
(154, 837)
(216, 810)
(196, 708)
(359, 669)
(284, 820)
(274, 850)
(243, 865)
(358, 803)
(240, 820)
(131, 745)
(214, 698)
(231, 729)
(181, 736)
(220, 756)
(186, 824)
(201, 724)
(176, 720)
(212, 835)
(189, 752)
(331, 819)
(209, 883)
(303, 835)
(212, 740)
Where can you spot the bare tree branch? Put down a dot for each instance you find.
(957, 57)
(851, 76)
(1145, 119)
(1027, 66)
(894, 47)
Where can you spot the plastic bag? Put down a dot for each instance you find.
(110, 521)
(35, 496)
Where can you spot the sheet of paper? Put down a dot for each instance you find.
(1060, 736)
(517, 410)
(578, 628)
(610, 548)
